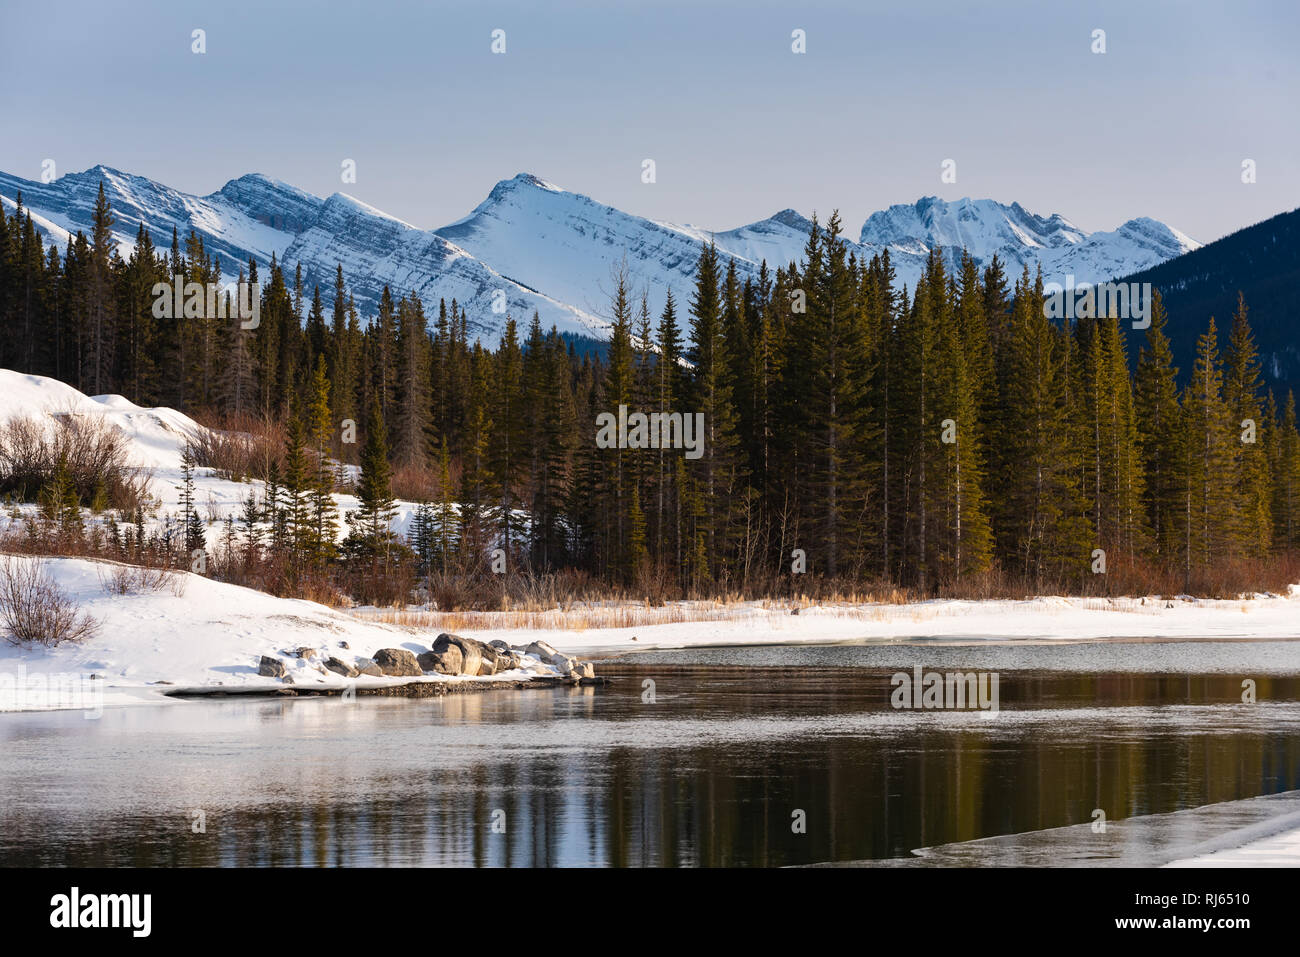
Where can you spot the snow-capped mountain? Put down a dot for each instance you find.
(254, 217)
(533, 246)
(1019, 238)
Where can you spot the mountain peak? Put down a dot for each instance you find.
(99, 171)
(792, 218)
(508, 186)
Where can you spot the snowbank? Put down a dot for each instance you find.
(1040, 619)
(156, 438)
(201, 634)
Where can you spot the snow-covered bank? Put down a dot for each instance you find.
(200, 634)
(155, 441)
(1255, 831)
(1280, 850)
(1044, 619)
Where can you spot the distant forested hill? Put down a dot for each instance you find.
(1263, 262)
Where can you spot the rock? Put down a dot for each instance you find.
(509, 661)
(344, 645)
(304, 652)
(564, 663)
(367, 666)
(447, 662)
(499, 645)
(542, 650)
(270, 667)
(397, 663)
(287, 679)
(340, 667)
(476, 657)
(586, 669)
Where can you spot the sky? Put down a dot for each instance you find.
(738, 125)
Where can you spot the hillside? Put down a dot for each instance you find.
(1263, 262)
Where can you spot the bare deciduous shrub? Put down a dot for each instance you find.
(415, 483)
(238, 447)
(94, 452)
(120, 579)
(35, 610)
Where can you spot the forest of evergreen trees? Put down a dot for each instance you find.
(948, 439)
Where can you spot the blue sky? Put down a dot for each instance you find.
(738, 125)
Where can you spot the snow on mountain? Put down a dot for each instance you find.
(377, 250)
(779, 240)
(534, 246)
(568, 245)
(227, 228)
(1018, 237)
(254, 217)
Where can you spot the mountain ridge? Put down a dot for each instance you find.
(552, 250)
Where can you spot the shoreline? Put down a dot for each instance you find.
(427, 688)
(1149, 840)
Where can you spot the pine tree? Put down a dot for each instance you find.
(1253, 526)
(443, 531)
(374, 491)
(1286, 481)
(506, 451)
(963, 540)
(322, 513)
(295, 492)
(192, 526)
(1040, 525)
(1161, 438)
(412, 390)
(1209, 492)
(717, 471)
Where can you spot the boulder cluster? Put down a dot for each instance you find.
(450, 655)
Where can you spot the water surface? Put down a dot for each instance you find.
(736, 745)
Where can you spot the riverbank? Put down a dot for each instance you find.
(181, 633)
(617, 627)
(1257, 831)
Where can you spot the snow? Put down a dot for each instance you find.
(1282, 850)
(155, 440)
(1049, 618)
(202, 634)
(1019, 238)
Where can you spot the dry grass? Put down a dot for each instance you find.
(890, 605)
(583, 616)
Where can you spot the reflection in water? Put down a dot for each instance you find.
(710, 773)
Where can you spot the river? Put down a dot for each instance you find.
(739, 756)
